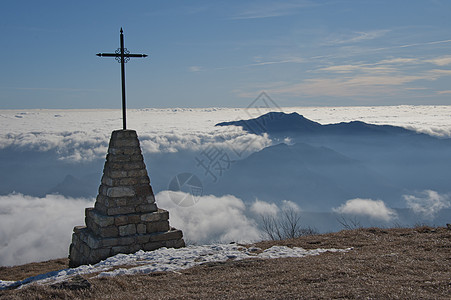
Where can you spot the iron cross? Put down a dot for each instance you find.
(122, 55)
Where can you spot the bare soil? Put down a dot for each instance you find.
(412, 263)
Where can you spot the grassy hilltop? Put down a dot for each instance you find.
(404, 263)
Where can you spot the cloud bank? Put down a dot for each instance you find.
(37, 229)
(83, 135)
(427, 203)
(374, 209)
(86, 146)
(169, 129)
(211, 219)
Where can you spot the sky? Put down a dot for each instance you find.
(224, 53)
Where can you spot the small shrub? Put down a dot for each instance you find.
(285, 226)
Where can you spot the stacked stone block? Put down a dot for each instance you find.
(125, 217)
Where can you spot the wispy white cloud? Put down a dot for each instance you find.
(423, 44)
(444, 92)
(356, 37)
(398, 60)
(271, 9)
(441, 61)
(349, 86)
(383, 80)
(268, 61)
(389, 76)
(358, 68)
(375, 209)
(293, 60)
(427, 203)
(419, 88)
(391, 65)
(195, 68)
(438, 72)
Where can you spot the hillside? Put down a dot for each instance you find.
(406, 263)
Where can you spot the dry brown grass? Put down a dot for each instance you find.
(33, 269)
(385, 264)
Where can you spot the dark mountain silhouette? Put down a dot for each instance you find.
(335, 162)
(37, 173)
(317, 178)
(75, 187)
(275, 123)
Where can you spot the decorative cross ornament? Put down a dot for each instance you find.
(122, 55)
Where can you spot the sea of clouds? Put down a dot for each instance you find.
(36, 228)
(84, 134)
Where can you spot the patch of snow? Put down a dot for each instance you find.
(167, 259)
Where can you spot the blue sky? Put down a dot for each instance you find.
(224, 53)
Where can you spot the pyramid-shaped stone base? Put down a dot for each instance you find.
(125, 218)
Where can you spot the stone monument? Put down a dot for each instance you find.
(125, 217)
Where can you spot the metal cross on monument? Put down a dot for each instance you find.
(122, 55)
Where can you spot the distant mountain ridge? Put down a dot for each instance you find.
(326, 165)
(278, 122)
(317, 178)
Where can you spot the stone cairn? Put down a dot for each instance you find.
(125, 217)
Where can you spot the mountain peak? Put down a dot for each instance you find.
(276, 122)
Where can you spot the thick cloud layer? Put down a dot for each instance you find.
(87, 146)
(210, 219)
(428, 203)
(82, 135)
(78, 135)
(37, 229)
(374, 209)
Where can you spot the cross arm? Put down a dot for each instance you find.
(108, 54)
(135, 55)
(118, 55)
